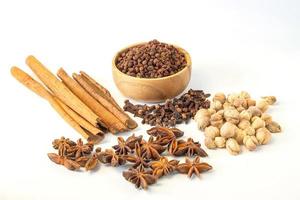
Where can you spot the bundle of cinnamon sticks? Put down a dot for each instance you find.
(82, 102)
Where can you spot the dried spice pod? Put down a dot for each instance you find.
(122, 148)
(82, 160)
(61, 160)
(56, 158)
(173, 148)
(188, 148)
(110, 157)
(163, 166)
(92, 163)
(63, 145)
(138, 159)
(193, 167)
(80, 150)
(132, 140)
(151, 149)
(71, 165)
(139, 177)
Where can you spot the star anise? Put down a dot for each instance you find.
(92, 162)
(189, 148)
(177, 132)
(139, 159)
(193, 167)
(174, 149)
(151, 149)
(82, 160)
(132, 140)
(164, 136)
(163, 166)
(110, 157)
(63, 144)
(163, 132)
(139, 177)
(122, 148)
(80, 150)
(194, 148)
(62, 160)
(163, 141)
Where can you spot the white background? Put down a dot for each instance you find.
(234, 45)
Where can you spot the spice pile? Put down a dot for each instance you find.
(151, 60)
(237, 120)
(146, 160)
(172, 112)
(82, 102)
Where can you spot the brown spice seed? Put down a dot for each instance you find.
(151, 60)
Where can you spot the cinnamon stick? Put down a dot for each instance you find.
(61, 91)
(100, 89)
(81, 121)
(39, 89)
(112, 123)
(103, 97)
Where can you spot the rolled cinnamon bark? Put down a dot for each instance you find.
(111, 121)
(103, 97)
(61, 91)
(39, 89)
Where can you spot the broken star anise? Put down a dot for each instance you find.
(79, 150)
(110, 157)
(188, 148)
(139, 177)
(122, 148)
(138, 159)
(194, 148)
(92, 162)
(151, 149)
(132, 140)
(163, 166)
(193, 167)
(165, 132)
(62, 160)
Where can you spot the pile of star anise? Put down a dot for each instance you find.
(74, 155)
(147, 160)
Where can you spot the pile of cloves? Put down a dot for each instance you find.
(237, 120)
(147, 159)
(173, 111)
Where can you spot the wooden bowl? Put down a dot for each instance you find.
(152, 89)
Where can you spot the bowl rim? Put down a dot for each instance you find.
(186, 54)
